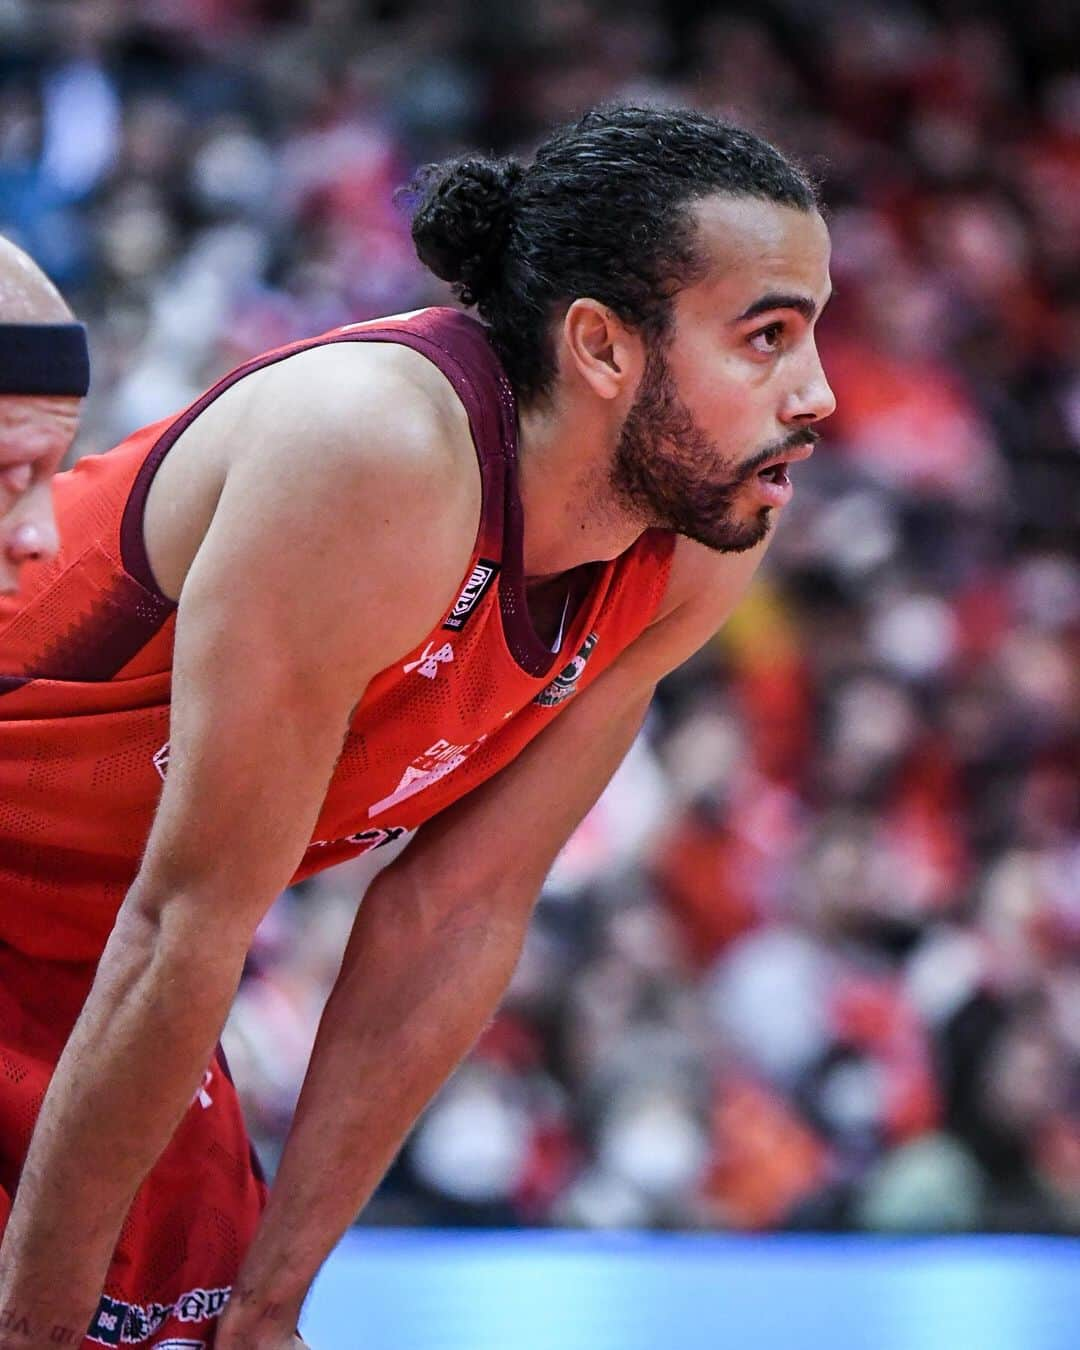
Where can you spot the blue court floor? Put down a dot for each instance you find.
(394, 1290)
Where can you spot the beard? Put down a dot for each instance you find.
(669, 475)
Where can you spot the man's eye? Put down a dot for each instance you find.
(767, 340)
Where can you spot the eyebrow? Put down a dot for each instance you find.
(801, 304)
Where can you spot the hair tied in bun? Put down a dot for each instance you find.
(462, 218)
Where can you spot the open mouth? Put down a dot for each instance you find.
(771, 481)
(776, 470)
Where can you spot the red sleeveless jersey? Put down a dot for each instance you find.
(86, 652)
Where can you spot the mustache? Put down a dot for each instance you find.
(793, 441)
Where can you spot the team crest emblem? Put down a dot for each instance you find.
(565, 683)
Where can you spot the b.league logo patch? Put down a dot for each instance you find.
(474, 590)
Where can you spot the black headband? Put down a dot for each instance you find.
(44, 358)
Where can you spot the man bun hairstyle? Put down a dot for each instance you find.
(601, 211)
(461, 226)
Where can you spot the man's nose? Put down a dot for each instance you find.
(814, 400)
(29, 533)
(23, 543)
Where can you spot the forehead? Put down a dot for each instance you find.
(751, 247)
(36, 425)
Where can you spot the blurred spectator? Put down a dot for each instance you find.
(813, 960)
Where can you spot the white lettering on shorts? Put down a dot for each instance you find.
(119, 1323)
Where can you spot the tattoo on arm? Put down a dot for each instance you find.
(271, 1312)
(14, 1323)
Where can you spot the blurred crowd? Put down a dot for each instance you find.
(813, 959)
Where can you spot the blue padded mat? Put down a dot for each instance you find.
(397, 1290)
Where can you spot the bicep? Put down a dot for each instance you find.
(302, 589)
(254, 734)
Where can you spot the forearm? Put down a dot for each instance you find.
(417, 987)
(127, 1073)
(423, 971)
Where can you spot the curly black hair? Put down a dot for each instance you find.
(601, 211)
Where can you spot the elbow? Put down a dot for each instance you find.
(438, 886)
(408, 910)
(178, 930)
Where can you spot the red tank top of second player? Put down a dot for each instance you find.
(86, 651)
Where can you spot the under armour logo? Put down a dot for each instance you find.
(427, 664)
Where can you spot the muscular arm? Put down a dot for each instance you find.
(265, 676)
(432, 949)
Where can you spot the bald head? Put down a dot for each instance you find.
(42, 363)
(26, 293)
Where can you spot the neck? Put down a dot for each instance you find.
(571, 516)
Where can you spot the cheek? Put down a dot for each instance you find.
(730, 405)
(725, 380)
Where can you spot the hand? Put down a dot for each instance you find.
(264, 1337)
(248, 1325)
(275, 1340)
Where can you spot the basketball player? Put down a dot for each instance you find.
(44, 374)
(423, 571)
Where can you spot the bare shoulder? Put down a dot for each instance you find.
(333, 443)
(369, 401)
(357, 460)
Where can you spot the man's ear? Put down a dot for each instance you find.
(602, 350)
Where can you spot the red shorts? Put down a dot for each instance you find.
(194, 1215)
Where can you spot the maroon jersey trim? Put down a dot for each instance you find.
(458, 345)
(132, 540)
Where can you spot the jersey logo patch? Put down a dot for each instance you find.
(366, 840)
(435, 763)
(474, 590)
(429, 660)
(161, 760)
(565, 683)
